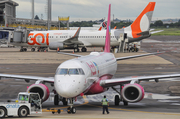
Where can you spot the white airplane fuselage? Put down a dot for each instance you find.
(96, 67)
(86, 37)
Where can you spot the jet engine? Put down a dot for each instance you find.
(42, 89)
(55, 45)
(132, 93)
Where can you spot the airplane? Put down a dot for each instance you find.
(73, 39)
(90, 75)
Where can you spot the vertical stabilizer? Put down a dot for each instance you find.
(142, 22)
(108, 32)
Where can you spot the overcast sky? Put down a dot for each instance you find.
(79, 10)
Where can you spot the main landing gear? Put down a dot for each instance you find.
(23, 49)
(118, 98)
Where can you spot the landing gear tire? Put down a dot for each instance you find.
(56, 100)
(125, 103)
(23, 112)
(71, 110)
(83, 49)
(59, 111)
(33, 49)
(64, 101)
(116, 100)
(25, 49)
(2, 112)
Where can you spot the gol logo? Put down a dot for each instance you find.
(33, 40)
(12, 106)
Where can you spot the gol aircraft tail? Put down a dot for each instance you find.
(142, 22)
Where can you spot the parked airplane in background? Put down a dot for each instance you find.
(73, 39)
(91, 74)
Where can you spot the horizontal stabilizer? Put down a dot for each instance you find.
(70, 54)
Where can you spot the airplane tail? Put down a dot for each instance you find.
(142, 22)
(108, 32)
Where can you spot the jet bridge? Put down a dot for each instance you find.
(20, 36)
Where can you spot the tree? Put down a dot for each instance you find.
(158, 23)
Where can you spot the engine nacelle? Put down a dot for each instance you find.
(55, 45)
(132, 93)
(42, 89)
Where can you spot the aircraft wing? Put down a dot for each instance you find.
(76, 55)
(135, 79)
(27, 78)
(74, 38)
(135, 56)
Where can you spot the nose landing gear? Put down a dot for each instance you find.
(71, 109)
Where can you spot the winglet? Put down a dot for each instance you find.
(108, 32)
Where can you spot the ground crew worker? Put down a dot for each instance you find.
(24, 98)
(105, 105)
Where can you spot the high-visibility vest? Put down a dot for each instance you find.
(104, 101)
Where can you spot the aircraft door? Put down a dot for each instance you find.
(35, 102)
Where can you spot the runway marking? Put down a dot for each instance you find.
(136, 110)
(85, 102)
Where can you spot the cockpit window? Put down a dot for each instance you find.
(81, 72)
(73, 71)
(64, 71)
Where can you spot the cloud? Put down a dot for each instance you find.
(96, 9)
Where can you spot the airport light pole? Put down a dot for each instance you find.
(32, 12)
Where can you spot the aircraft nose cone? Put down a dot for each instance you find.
(68, 87)
(67, 90)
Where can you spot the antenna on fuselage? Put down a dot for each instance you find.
(108, 32)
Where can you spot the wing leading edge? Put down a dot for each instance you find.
(119, 81)
(27, 78)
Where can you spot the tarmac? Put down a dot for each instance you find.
(162, 99)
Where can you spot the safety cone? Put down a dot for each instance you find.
(73, 52)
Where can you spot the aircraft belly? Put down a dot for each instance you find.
(27, 45)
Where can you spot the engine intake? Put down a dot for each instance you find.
(42, 89)
(132, 93)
